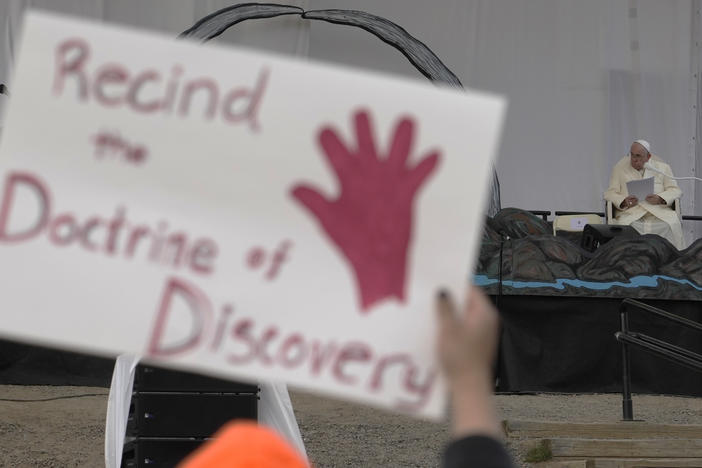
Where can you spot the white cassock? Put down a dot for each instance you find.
(645, 217)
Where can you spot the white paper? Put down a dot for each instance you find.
(640, 188)
(237, 213)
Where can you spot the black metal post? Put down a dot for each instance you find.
(499, 383)
(499, 271)
(627, 405)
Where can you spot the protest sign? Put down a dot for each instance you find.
(237, 213)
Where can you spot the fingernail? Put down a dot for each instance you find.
(443, 294)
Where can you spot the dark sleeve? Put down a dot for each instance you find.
(476, 452)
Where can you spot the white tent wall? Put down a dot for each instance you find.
(696, 97)
(583, 78)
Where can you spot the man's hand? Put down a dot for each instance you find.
(466, 346)
(629, 202)
(655, 200)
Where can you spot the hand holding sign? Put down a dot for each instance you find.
(466, 345)
(371, 219)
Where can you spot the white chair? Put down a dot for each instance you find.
(609, 209)
(575, 222)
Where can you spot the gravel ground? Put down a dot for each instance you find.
(68, 432)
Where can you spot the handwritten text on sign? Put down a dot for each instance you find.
(234, 212)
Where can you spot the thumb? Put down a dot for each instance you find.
(312, 200)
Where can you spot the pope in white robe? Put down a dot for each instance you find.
(654, 215)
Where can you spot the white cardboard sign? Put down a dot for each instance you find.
(235, 212)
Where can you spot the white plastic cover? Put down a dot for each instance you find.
(275, 410)
(118, 408)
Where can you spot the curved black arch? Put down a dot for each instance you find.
(216, 23)
(415, 50)
(419, 55)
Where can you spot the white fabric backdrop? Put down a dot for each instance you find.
(584, 79)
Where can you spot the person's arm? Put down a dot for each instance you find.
(614, 191)
(466, 345)
(671, 191)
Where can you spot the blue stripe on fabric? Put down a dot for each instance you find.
(561, 283)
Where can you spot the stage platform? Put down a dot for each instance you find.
(23, 364)
(567, 344)
(547, 344)
(559, 305)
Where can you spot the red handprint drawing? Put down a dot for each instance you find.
(370, 220)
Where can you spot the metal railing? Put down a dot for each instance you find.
(566, 213)
(543, 213)
(652, 345)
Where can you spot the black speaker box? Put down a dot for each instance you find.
(595, 235)
(156, 379)
(151, 452)
(193, 415)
